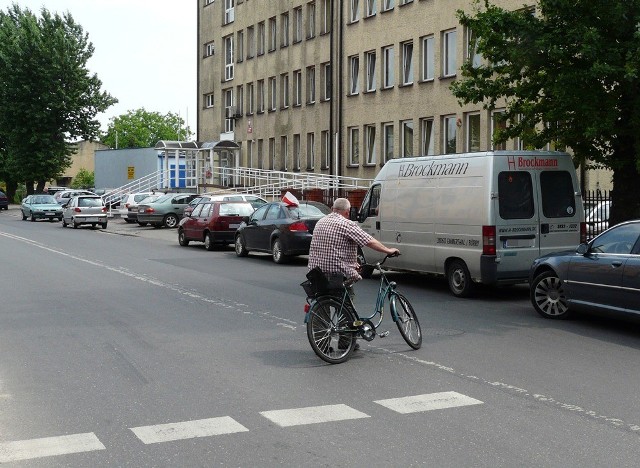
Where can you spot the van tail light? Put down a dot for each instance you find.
(77, 210)
(488, 240)
(298, 227)
(583, 232)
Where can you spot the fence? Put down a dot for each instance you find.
(596, 207)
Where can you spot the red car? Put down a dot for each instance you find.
(213, 222)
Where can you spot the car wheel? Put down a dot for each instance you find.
(277, 253)
(208, 242)
(459, 279)
(365, 270)
(64, 223)
(241, 249)
(127, 220)
(24, 216)
(93, 225)
(142, 224)
(104, 225)
(75, 225)
(33, 218)
(547, 296)
(171, 221)
(182, 239)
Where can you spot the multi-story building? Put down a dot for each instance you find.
(337, 87)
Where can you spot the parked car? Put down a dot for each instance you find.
(52, 190)
(279, 229)
(255, 200)
(165, 211)
(213, 223)
(41, 207)
(85, 209)
(129, 205)
(189, 208)
(597, 218)
(601, 275)
(64, 196)
(4, 201)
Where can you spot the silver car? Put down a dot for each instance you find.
(85, 209)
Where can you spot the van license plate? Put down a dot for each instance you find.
(518, 243)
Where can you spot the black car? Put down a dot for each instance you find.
(279, 229)
(4, 201)
(602, 275)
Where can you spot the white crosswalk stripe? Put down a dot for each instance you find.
(428, 402)
(49, 446)
(312, 415)
(188, 430)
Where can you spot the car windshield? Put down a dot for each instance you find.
(149, 199)
(305, 211)
(84, 201)
(44, 199)
(164, 198)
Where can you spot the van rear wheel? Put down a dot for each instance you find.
(459, 279)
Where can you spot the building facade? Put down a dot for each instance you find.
(337, 87)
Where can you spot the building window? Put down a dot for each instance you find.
(387, 141)
(250, 99)
(326, 147)
(229, 121)
(296, 152)
(260, 38)
(354, 10)
(387, 5)
(370, 144)
(370, 8)
(297, 88)
(286, 101)
(250, 153)
(272, 153)
(251, 42)
(404, 2)
(370, 59)
(239, 100)
(449, 134)
(354, 146)
(229, 11)
(497, 124)
(387, 67)
(473, 132)
(297, 25)
(311, 151)
(427, 137)
(472, 54)
(311, 20)
(326, 81)
(428, 60)
(284, 151)
(260, 155)
(208, 2)
(260, 99)
(311, 85)
(239, 46)
(272, 93)
(325, 27)
(449, 53)
(407, 138)
(284, 29)
(209, 49)
(407, 63)
(354, 68)
(208, 100)
(228, 58)
(272, 34)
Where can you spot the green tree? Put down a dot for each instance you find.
(48, 97)
(83, 179)
(142, 129)
(566, 73)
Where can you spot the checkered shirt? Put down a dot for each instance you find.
(334, 246)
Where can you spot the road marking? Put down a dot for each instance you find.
(188, 430)
(428, 402)
(312, 415)
(49, 446)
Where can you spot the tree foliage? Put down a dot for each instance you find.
(83, 179)
(48, 97)
(143, 129)
(565, 73)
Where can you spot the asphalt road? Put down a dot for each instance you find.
(121, 348)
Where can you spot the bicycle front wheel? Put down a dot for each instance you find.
(330, 330)
(406, 320)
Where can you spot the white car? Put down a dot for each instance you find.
(64, 196)
(129, 205)
(598, 219)
(255, 200)
(85, 209)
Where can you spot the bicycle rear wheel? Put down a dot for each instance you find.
(330, 330)
(406, 320)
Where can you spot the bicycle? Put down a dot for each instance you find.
(333, 324)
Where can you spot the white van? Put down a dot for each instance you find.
(475, 217)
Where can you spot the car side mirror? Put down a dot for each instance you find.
(582, 249)
(245, 219)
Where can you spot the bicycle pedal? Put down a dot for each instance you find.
(384, 334)
(358, 323)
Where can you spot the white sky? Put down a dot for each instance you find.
(145, 51)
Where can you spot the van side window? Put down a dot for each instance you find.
(515, 198)
(558, 199)
(370, 204)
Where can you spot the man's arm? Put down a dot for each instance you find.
(375, 244)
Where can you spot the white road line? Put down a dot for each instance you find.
(428, 402)
(49, 446)
(188, 430)
(312, 415)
